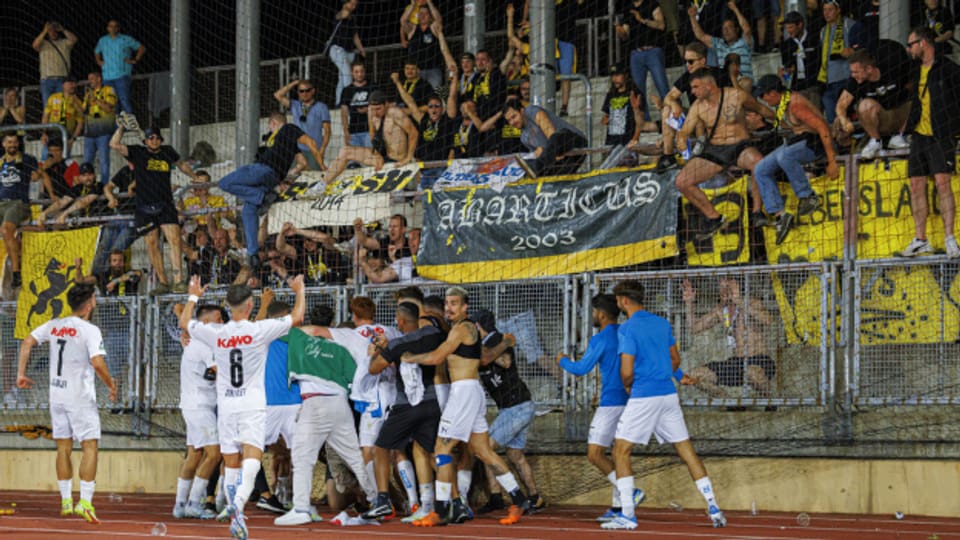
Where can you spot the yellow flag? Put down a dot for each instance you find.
(48, 269)
(730, 245)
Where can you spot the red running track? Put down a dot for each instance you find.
(37, 517)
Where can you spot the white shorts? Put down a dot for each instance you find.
(201, 426)
(604, 425)
(239, 428)
(281, 420)
(80, 423)
(370, 429)
(660, 416)
(443, 393)
(465, 413)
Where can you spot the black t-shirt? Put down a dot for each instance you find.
(123, 179)
(616, 105)
(356, 98)
(343, 31)
(62, 174)
(404, 250)
(424, 49)
(683, 83)
(311, 263)
(152, 173)
(940, 21)
(510, 142)
(808, 50)
(422, 340)
(466, 141)
(890, 91)
(642, 35)
(489, 92)
(99, 206)
(436, 138)
(281, 149)
(503, 384)
(420, 90)
(122, 288)
(15, 177)
(568, 11)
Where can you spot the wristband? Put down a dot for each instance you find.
(193, 298)
(678, 374)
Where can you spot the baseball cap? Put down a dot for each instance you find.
(86, 168)
(468, 55)
(486, 320)
(150, 132)
(766, 84)
(793, 17)
(617, 69)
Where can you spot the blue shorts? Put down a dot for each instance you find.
(510, 428)
(567, 63)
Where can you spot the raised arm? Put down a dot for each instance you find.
(283, 246)
(38, 41)
(300, 302)
(698, 32)
(115, 143)
(742, 21)
(283, 94)
(412, 108)
(406, 27)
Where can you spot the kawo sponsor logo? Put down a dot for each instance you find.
(234, 341)
(64, 332)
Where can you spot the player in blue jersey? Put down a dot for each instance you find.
(649, 362)
(602, 350)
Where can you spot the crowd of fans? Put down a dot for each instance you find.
(439, 107)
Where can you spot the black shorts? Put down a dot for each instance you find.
(406, 423)
(146, 220)
(929, 156)
(730, 371)
(725, 155)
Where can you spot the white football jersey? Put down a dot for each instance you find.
(195, 391)
(357, 341)
(74, 342)
(240, 351)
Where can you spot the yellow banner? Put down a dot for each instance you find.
(732, 244)
(48, 271)
(815, 237)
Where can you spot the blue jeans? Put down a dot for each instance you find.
(790, 160)
(361, 139)
(249, 184)
(341, 58)
(652, 61)
(122, 88)
(113, 235)
(98, 146)
(48, 86)
(831, 94)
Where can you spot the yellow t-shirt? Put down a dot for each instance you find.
(61, 110)
(213, 201)
(923, 126)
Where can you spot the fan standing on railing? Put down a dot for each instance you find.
(16, 169)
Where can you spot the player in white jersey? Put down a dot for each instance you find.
(240, 350)
(76, 353)
(371, 394)
(198, 404)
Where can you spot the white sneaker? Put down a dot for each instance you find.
(178, 510)
(192, 511)
(418, 515)
(719, 520)
(898, 142)
(953, 250)
(871, 149)
(297, 517)
(917, 247)
(620, 522)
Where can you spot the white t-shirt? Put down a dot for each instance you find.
(240, 352)
(365, 385)
(74, 342)
(195, 391)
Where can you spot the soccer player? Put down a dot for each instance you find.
(415, 414)
(602, 351)
(240, 350)
(198, 404)
(76, 353)
(649, 360)
(464, 417)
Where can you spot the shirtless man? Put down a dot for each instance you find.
(743, 320)
(721, 113)
(392, 133)
(464, 416)
(808, 139)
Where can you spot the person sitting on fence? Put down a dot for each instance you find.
(548, 136)
(720, 111)
(16, 171)
(393, 136)
(743, 321)
(84, 195)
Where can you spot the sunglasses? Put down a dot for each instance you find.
(433, 106)
(153, 137)
(690, 61)
(912, 43)
(304, 90)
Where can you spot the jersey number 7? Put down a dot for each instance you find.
(62, 343)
